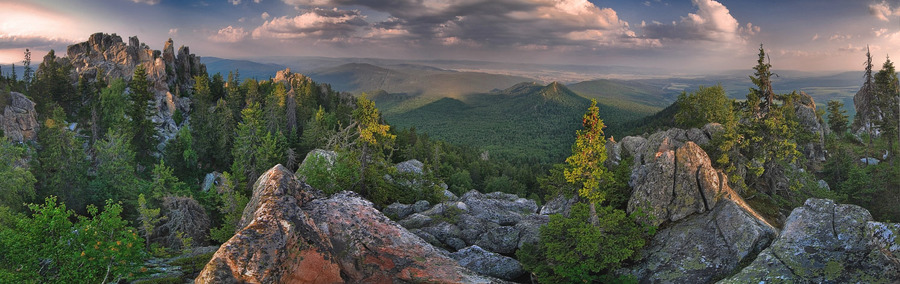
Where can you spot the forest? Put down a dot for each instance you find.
(99, 191)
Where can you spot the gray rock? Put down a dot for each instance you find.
(398, 210)
(415, 221)
(529, 229)
(488, 263)
(497, 207)
(443, 231)
(329, 157)
(421, 206)
(824, 242)
(448, 195)
(503, 239)
(703, 247)
(824, 185)
(675, 183)
(411, 166)
(19, 119)
(809, 121)
(559, 205)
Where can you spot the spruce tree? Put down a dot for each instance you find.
(586, 169)
(887, 91)
(837, 120)
(143, 104)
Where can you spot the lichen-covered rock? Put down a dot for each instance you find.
(19, 120)
(398, 210)
(488, 263)
(675, 183)
(292, 235)
(703, 247)
(559, 205)
(824, 242)
(810, 122)
(412, 166)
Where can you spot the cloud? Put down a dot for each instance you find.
(815, 37)
(33, 42)
(148, 2)
(712, 22)
(257, 1)
(173, 32)
(235, 2)
(883, 11)
(264, 16)
(317, 23)
(229, 34)
(526, 24)
(840, 37)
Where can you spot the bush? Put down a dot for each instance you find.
(572, 250)
(49, 247)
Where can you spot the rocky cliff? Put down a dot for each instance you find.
(291, 234)
(19, 120)
(170, 73)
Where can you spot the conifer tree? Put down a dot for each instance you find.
(883, 105)
(373, 135)
(144, 136)
(586, 169)
(837, 120)
(28, 74)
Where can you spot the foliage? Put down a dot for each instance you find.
(586, 168)
(885, 102)
(572, 250)
(49, 247)
(114, 108)
(116, 177)
(837, 118)
(148, 218)
(142, 108)
(60, 166)
(706, 105)
(16, 181)
(231, 207)
(330, 176)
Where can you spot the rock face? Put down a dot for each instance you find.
(812, 123)
(824, 242)
(675, 184)
(18, 119)
(291, 235)
(707, 230)
(488, 263)
(703, 247)
(170, 74)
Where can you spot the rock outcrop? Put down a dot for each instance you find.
(496, 222)
(19, 120)
(290, 234)
(824, 242)
(814, 150)
(706, 229)
(170, 74)
(488, 263)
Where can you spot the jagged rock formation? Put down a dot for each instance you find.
(824, 242)
(170, 74)
(290, 234)
(805, 108)
(707, 230)
(19, 120)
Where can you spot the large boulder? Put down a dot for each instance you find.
(825, 242)
(675, 183)
(19, 120)
(703, 247)
(488, 263)
(290, 234)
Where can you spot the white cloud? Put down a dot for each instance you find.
(173, 32)
(264, 16)
(883, 11)
(234, 2)
(229, 34)
(815, 37)
(317, 23)
(148, 2)
(257, 1)
(712, 21)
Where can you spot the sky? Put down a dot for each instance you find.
(697, 36)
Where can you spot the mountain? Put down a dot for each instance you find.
(524, 120)
(411, 79)
(633, 95)
(247, 69)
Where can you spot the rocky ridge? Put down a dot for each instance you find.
(291, 234)
(170, 73)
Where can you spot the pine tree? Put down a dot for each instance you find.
(373, 136)
(250, 134)
(863, 102)
(60, 166)
(883, 105)
(762, 80)
(28, 74)
(143, 104)
(837, 120)
(586, 169)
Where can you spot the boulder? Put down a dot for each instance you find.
(488, 263)
(412, 166)
(703, 247)
(398, 210)
(559, 205)
(503, 239)
(675, 183)
(290, 234)
(825, 242)
(497, 207)
(19, 120)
